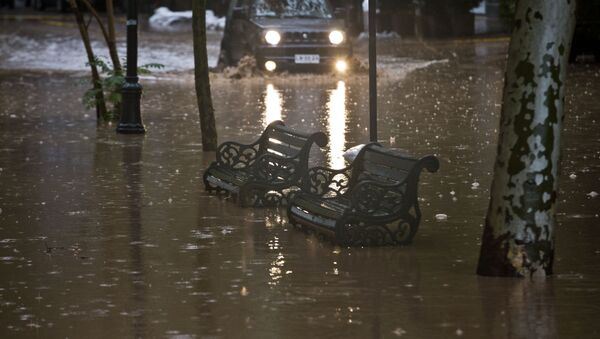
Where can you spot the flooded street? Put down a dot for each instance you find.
(105, 235)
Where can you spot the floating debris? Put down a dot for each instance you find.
(399, 332)
(441, 217)
(244, 291)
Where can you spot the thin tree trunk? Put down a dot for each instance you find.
(418, 26)
(110, 42)
(101, 113)
(518, 238)
(205, 106)
(112, 36)
(112, 47)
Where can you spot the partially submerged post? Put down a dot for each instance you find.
(372, 71)
(518, 238)
(131, 117)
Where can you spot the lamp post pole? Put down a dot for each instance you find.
(130, 121)
(373, 70)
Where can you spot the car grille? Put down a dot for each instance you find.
(305, 37)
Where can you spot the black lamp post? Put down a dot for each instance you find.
(131, 117)
(373, 70)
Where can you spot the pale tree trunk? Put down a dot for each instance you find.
(518, 238)
(205, 106)
(101, 112)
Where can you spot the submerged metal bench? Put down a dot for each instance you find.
(372, 202)
(266, 172)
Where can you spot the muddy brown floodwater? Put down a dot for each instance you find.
(105, 235)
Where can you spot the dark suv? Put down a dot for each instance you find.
(285, 34)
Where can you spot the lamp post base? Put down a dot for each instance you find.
(135, 128)
(131, 118)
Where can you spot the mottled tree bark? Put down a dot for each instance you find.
(85, 37)
(518, 239)
(205, 106)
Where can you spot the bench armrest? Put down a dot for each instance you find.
(326, 182)
(370, 197)
(236, 155)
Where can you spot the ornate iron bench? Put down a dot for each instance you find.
(266, 172)
(374, 201)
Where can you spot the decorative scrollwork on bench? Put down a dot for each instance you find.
(236, 155)
(373, 202)
(265, 172)
(326, 182)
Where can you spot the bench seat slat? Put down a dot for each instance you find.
(283, 149)
(287, 138)
(395, 162)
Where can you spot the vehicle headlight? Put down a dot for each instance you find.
(272, 37)
(336, 37)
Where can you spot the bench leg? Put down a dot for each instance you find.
(261, 197)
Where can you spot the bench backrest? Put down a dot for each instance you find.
(281, 140)
(375, 162)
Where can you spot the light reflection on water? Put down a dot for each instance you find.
(273, 105)
(336, 115)
(336, 125)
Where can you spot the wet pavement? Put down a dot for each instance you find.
(106, 235)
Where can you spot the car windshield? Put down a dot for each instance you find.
(292, 8)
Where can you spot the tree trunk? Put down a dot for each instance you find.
(109, 36)
(114, 56)
(101, 113)
(518, 238)
(205, 106)
(112, 37)
(418, 27)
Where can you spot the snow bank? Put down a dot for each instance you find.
(163, 18)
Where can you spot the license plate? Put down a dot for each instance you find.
(307, 58)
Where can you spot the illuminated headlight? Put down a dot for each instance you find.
(272, 37)
(341, 66)
(270, 66)
(336, 37)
